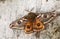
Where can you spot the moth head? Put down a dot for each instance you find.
(18, 24)
(38, 25)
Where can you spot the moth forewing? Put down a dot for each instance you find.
(52, 16)
(18, 24)
(46, 17)
(43, 16)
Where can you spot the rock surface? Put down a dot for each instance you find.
(10, 10)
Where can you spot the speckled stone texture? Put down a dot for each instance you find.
(11, 10)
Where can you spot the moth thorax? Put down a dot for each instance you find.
(31, 16)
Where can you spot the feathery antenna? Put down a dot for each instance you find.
(30, 10)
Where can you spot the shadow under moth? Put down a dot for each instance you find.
(33, 22)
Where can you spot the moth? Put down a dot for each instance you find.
(33, 22)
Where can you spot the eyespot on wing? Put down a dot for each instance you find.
(18, 24)
(38, 25)
(28, 27)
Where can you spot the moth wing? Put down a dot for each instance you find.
(18, 24)
(38, 25)
(46, 17)
(51, 18)
(28, 27)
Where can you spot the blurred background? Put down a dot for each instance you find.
(11, 10)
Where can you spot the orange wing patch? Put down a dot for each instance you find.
(28, 27)
(38, 25)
